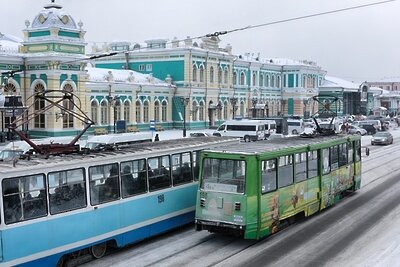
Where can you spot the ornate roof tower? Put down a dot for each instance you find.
(53, 30)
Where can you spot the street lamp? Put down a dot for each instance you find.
(254, 101)
(185, 101)
(233, 101)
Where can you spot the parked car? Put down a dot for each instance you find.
(369, 128)
(356, 130)
(382, 138)
(200, 134)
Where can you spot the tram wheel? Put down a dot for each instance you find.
(98, 250)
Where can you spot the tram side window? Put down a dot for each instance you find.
(159, 173)
(285, 171)
(358, 150)
(223, 175)
(268, 175)
(325, 161)
(181, 168)
(334, 157)
(24, 198)
(133, 177)
(104, 183)
(342, 155)
(312, 163)
(67, 190)
(300, 166)
(350, 153)
(196, 163)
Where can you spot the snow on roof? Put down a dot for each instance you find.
(9, 43)
(53, 15)
(277, 61)
(128, 76)
(330, 82)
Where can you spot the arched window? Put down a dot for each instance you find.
(225, 110)
(146, 111)
(219, 75)
(194, 78)
(261, 82)
(94, 109)
(201, 73)
(226, 76)
(68, 104)
(304, 81)
(194, 110)
(278, 81)
(254, 79)
(138, 111)
(211, 74)
(164, 111)
(104, 113)
(272, 81)
(157, 111)
(267, 81)
(242, 79)
(201, 111)
(10, 89)
(127, 111)
(39, 105)
(234, 78)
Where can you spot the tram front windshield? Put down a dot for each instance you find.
(223, 175)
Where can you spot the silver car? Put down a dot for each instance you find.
(356, 130)
(382, 138)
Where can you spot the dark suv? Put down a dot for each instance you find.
(370, 128)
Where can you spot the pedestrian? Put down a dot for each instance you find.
(156, 138)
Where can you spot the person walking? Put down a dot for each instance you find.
(156, 138)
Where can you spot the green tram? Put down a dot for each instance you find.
(252, 190)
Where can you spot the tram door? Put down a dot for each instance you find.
(269, 202)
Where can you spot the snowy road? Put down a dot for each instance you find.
(362, 230)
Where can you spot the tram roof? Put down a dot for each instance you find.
(292, 142)
(122, 151)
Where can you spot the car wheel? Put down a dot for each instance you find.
(247, 138)
(294, 132)
(358, 133)
(372, 143)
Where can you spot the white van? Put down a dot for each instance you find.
(249, 130)
(270, 127)
(101, 141)
(14, 150)
(295, 126)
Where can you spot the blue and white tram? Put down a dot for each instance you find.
(54, 209)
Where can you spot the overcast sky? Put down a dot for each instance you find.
(356, 45)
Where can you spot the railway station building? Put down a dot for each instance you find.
(193, 83)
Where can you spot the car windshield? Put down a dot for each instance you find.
(382, 134)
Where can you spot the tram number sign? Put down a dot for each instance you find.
(160, 198)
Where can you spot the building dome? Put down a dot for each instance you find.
(52, 15)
